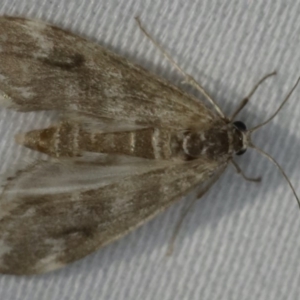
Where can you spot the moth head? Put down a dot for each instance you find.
(243, 135)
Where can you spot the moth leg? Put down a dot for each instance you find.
(239, 171)
(247, 98)
(188, 78)
(184, 213)
(186, 209)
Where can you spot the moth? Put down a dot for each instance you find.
(127, 145)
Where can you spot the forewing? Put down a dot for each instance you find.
(45, 68)
(49, 226)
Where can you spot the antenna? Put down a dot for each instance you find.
(278, 110)
(266, 154)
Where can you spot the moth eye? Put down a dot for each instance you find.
(241, 152)
(240, 126)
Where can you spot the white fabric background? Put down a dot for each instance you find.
(241, 241)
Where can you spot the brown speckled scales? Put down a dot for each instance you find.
(128, 144)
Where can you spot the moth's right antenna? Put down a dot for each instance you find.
(250, 144)
(280, 169)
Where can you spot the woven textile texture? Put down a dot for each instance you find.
(240, 241)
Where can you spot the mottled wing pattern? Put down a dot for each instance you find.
(44, 227)
(57, 211)
(68, 73)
